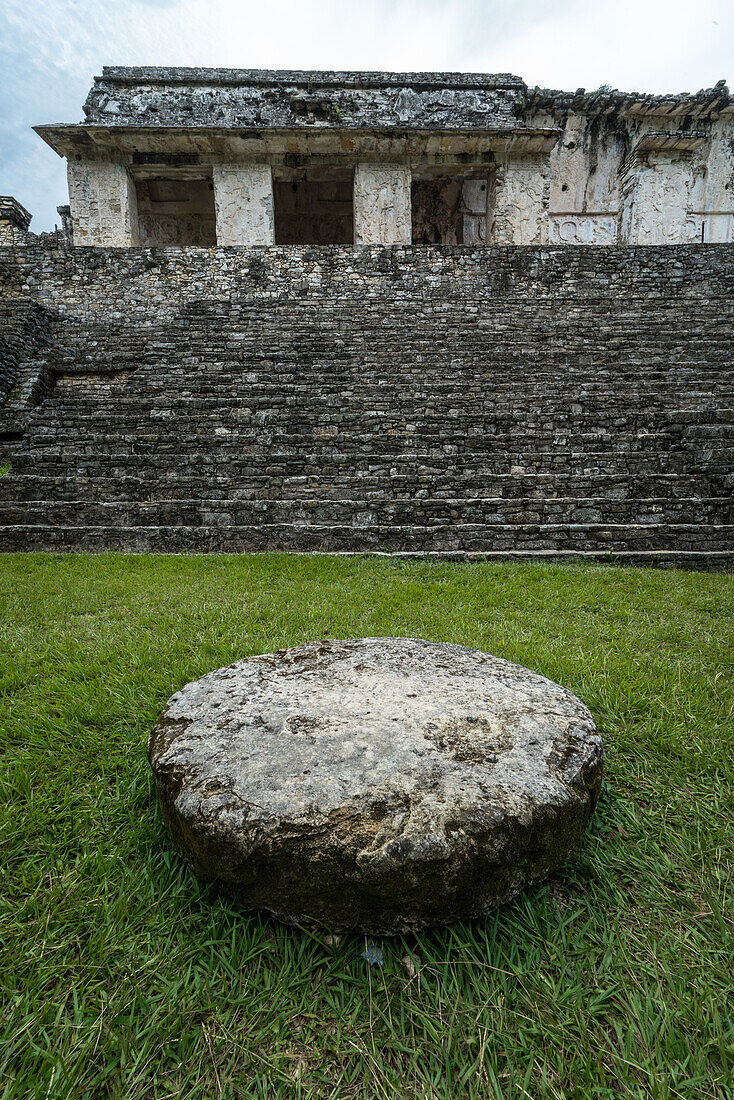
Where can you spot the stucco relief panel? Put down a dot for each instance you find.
(521, 203)
(573, 228)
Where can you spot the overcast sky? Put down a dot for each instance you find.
(50, 51)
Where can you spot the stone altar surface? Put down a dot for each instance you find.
(380, 784)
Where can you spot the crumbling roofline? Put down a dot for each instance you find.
(610, 102)
(121, 74)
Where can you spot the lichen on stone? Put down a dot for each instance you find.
(379, 784)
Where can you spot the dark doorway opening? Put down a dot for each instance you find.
(449, 210)
(176, 211)
(314, 211)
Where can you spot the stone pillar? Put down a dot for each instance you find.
(716, 198)
(243, 198)
(382, 211)
(520, 214)
(657, 201)
(104, 210)
(474, 201)
(67, 228)
(14, 221)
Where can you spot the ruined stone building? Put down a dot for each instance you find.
(204, 157)
(349, 311)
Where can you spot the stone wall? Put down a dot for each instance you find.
(527, 402)
(14, 222)
(103, 203)
(619, 174)
(14, 316)
(244, 98)
(25, 378)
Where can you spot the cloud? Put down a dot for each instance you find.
(49, 56)
(653, 46)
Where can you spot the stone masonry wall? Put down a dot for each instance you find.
(244, 98)
(24, 377)
(512, 401)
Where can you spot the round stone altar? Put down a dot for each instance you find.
(378, 785)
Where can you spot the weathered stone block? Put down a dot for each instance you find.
(378, 785)
(521, 202)
(382, 212)
(243, 196)
(102, 201)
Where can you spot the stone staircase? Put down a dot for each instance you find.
(449, 416)
(24, 376)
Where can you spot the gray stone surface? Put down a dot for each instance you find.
(601, 168)
(512, 402)
(264, 99)
(379, 785)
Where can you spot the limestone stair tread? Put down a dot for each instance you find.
(599, 539)
(492, 509)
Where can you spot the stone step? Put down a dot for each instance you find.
(300, 422)
(285, 350)
(364, 486)
(266, 443)
(482, 414)
(601, 540)
(488, 350)
(328, 464)
(245, 402)
(272, 445)
(424, 512)
(364, 376)
(205, 385)
(319, 348)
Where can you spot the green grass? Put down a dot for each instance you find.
(122, 977)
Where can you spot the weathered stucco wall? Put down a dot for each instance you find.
(641, 180)
(655, 209)
(715, 198)
(475, 197)
(382, 213)
(584, 186)
(243, 196)
(103, 205)
(594, 188)
(520, 201)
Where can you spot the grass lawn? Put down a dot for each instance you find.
(122, 977)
